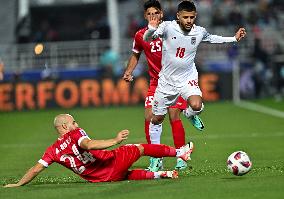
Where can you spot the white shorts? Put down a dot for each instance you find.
(166, 95)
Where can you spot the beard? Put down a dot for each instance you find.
(186, 28)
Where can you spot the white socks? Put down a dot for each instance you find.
(155, 132)
(188, 113)
(157, 175)
(165, 174)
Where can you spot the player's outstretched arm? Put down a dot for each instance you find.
(241, 33)
(131, 65)
(29, 176)
(103, 144)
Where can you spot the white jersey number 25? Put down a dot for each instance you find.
(155, 46)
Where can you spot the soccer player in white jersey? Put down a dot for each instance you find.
(178, 76)
(153, 54)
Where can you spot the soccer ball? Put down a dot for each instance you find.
(239, 163)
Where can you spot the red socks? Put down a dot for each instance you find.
(140, 175)
(178, 133)
(159, 150)
(147, 134)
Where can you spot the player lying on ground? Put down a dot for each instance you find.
(84, 156)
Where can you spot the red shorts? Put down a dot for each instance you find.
(125, 156)
(180, 103)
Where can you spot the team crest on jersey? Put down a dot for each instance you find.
(155, 103)
(193, 40)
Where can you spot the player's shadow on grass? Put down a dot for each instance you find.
(237, 178)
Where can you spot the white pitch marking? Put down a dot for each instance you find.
(260, 108)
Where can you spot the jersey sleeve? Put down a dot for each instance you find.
(160, 32)
(79, 135)
(153, 33)
(137, 43)
(207, 37)
(47, 158)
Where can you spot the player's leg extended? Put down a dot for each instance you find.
(192, 93)
(148, 108)
(165, 95)
(178, 133)
(161, 150)
(155, 130)
(160, 106)
(155, 163)
(194, 109)
(144, 175)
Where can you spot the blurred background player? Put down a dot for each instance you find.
(179, 76)
(153, 53)
(76, 151)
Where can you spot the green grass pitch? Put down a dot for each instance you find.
(25, 135)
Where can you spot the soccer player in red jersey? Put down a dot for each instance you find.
(86, 157)
(153, 53)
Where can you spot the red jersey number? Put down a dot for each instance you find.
(180, 52)
(193, 82)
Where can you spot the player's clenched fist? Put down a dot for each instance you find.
(127, 77)
(241, 33)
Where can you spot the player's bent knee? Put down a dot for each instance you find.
(157, 119)
(196, 106)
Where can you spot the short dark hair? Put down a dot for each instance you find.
(186, 6)
(152, 3)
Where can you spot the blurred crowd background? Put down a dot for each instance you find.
(44, 39)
